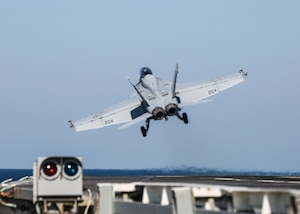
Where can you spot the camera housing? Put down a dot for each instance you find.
(58, 176)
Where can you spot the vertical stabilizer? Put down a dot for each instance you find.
(174, 82)
(144, 101)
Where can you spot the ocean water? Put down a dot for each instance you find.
(16, 174)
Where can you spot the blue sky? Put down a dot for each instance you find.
(62, 60)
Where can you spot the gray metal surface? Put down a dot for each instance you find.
(171, 194)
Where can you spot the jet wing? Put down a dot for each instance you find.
(123, 112)
(195, 92)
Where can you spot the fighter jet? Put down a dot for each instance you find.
(156, 99)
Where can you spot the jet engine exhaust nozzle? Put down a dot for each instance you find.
(171, 109)
(159, 113)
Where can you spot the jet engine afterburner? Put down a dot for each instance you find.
(159, 113)
(172, 109)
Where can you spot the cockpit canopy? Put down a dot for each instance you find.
(144, 71)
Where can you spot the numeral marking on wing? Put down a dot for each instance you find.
(108, 122)
(212, 91)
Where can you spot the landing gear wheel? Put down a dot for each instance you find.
(144, 131)
(185, 118)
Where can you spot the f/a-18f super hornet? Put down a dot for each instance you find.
(156, 99)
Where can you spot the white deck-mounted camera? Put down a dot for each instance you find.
(57, 180)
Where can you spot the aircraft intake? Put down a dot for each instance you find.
(171, 109)
(159, 113)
